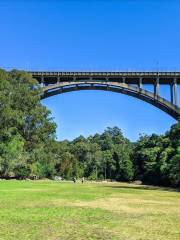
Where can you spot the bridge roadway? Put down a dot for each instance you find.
(129, 83)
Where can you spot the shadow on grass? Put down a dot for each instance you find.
(144, 187)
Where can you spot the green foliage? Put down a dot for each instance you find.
(105, 156)
(26, 127)
(28, 148)
(157, 158)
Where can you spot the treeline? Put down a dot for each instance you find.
(157, 158)
(102, 156)
(28, 148)
(152, 159)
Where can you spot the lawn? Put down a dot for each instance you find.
(48, 210)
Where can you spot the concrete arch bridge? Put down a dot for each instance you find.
(129, 83)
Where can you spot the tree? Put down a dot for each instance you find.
(156, 158)
(28, 147)
(25, 124)
(108, 164)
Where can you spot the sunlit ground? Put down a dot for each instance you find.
(63, 211)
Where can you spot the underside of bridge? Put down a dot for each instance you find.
(130, 83)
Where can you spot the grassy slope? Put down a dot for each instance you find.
(65, 211)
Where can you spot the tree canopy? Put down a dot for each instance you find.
(29, 149)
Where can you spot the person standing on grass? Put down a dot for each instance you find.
(82, 180)
(74, 179)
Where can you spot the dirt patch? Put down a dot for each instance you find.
(122, 205)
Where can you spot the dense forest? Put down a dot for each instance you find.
(29, 149)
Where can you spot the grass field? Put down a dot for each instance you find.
(64, 211)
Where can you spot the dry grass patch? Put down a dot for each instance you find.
(109, 211)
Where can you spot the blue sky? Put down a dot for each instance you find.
(94, 35)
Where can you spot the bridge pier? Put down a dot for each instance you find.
(124, 80)
(171, 93)
(140, 83)
(175, 92)
(42, 81)
(156, 87)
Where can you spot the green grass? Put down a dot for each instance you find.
(63, 211)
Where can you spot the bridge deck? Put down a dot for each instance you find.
(130, 83)
(130, 77)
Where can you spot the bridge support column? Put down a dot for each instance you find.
(156, 87)
(171, 93)
(140, 83)
(175, 92)
(58, 79)
(123, 80)
(42, 81)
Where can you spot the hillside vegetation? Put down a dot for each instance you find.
(29, 149)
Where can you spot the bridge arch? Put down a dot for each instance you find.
(123, 88)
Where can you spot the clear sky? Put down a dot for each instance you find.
(94, 35)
